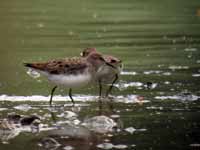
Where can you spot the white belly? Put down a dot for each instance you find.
(70, 81)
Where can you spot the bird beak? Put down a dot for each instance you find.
(81, 54)
(110, 65)
(107, 63)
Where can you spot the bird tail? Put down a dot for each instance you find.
(38, 66)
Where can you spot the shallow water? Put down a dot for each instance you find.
(156, 100)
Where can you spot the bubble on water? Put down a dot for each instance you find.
(2, 109)
(167, 73)
(67, 115)
(110, 135)
(122, 85)
(68, 148)
(152, 72)
(40, 25)
(167, 82)
(47, 115)
(94, 15)
(190, 49)
(115, 116)
(130, 130)
(100, 124)
(183, 96)
(142, 130)
(83, 98)
(106, 140)
(161, 65)
(155, 108)
(131, 99)
(120, 146)
(196, 75)
(111, 146)
(105, 146)
(128, 73)
(23, 107)
(61, 115)
(178, 67)
(70, 114)
(70, 33)
(33, 73)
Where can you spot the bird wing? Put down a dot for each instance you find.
(61, 66)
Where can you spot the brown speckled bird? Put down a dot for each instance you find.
(70, 72)
(106, 74)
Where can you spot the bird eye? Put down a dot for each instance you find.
(101, 58)
(113, 61)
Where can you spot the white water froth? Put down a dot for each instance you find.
(190, 49)
(128, 73)
(46, 98)
(178, 67)
(196, 75)
(79, 98)
(107, 146)
(179, 97)
(100, 124)
(123, 85)
(33, 73)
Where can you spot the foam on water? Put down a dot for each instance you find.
(46, 98)
(196, 75)
(107, 146)
(179, 97)
(2, 109)
(33, 73)
(123, 85)
(190, 49)
(80, 98)
(178, 67)
(128, 73)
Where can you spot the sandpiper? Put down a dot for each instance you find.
(106, 74)
(70, 72)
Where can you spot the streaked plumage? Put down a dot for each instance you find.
(105, 73)
(69, 72)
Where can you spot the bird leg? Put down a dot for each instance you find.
(70, 95)
(52, 91)
(100, 88)
(110, 88)
(100, 92)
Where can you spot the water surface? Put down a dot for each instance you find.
(158, 43)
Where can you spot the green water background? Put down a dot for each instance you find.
(146, 35)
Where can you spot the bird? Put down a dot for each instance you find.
(105, 74)
(70, 72)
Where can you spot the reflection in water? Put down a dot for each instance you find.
(85, 135)
(100, 124)
(14, 124)
(183, 97)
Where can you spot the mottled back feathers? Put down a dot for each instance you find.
(61, 66)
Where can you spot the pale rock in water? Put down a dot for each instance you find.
(100, 124)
